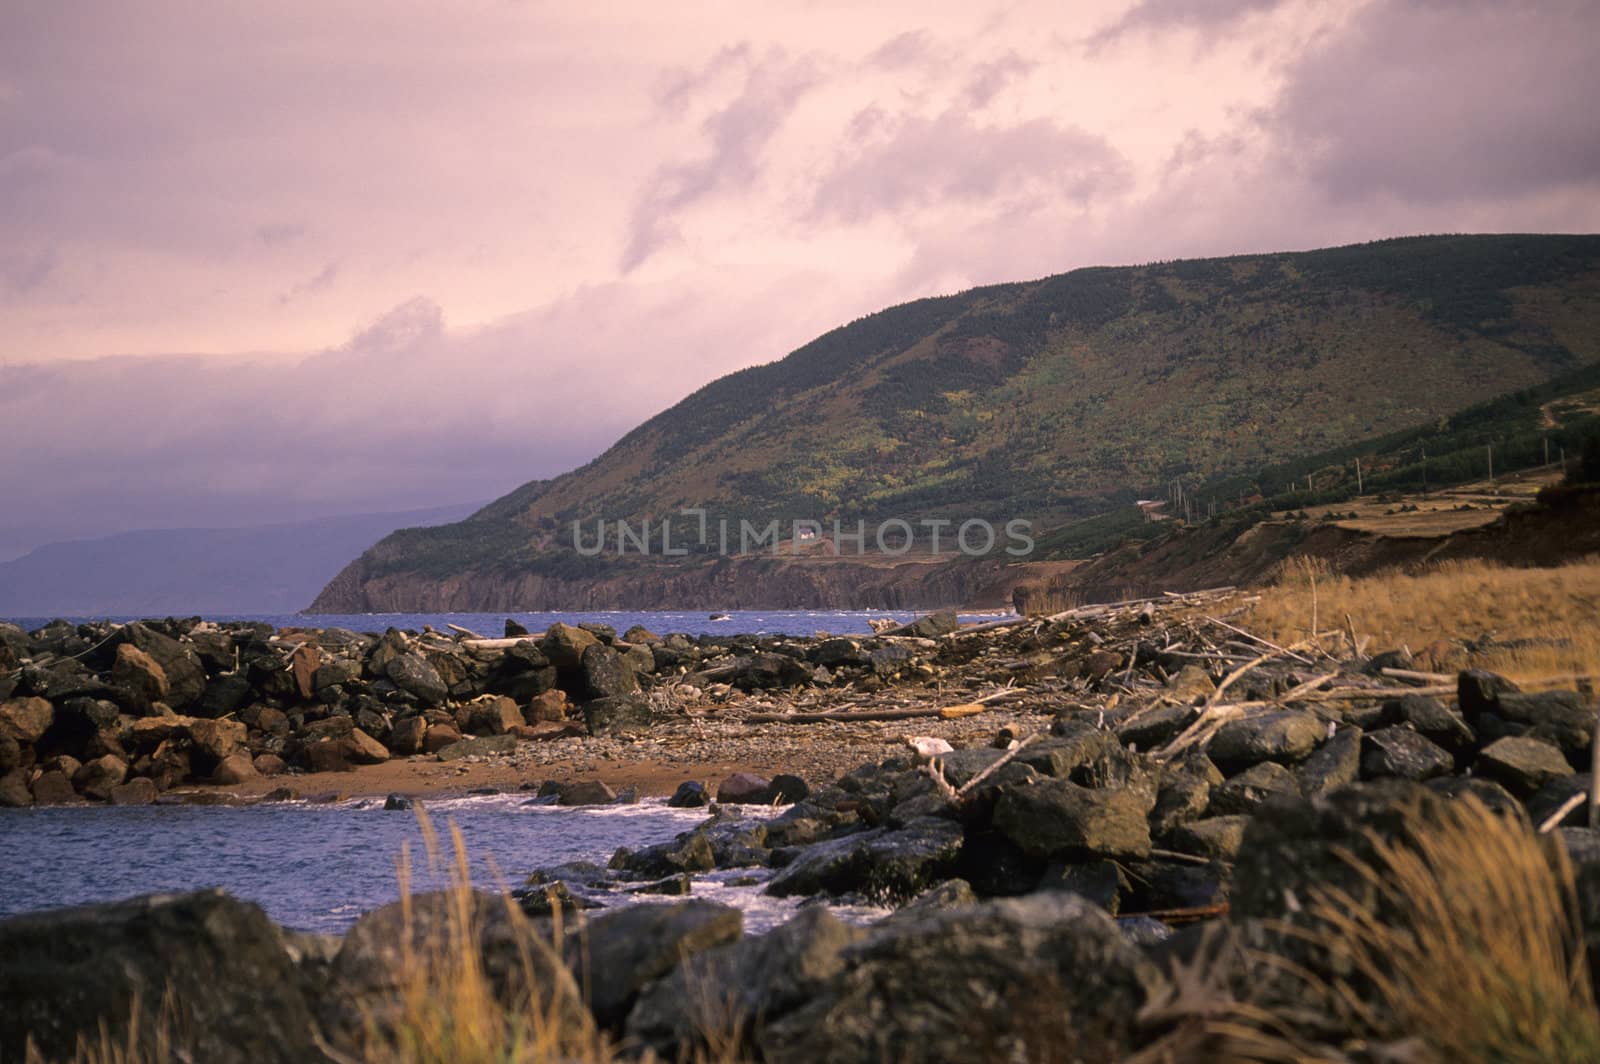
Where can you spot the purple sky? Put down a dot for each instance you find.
(271, 261)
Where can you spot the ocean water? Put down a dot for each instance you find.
(317, 867)
(662, 622)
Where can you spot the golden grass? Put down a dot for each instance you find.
(453, 1011)
(1473, 952)
(1556, 610)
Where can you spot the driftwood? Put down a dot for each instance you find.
(965, 709)
(468, 632)
(500, 644)
(1269, 644)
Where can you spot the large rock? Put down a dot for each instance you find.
(1286, 737)
(1521, 764)
(1337, 763)
(623, 951)
(618, 715)
(413, 674)
(1244, 793)
(26, 719)
(185, 673)
(14, 792)
(141, 676)
(420, 945)
(1047, 977)
(224, 967)
(931, 626)
(606, 674)
(1562, 718)
(564, 645)
(887, 864)
(493, 715)
(99, 777)
(1403, 754)
(1058, 818)
(730, 994)
(407, 735)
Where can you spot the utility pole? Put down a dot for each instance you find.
(1359, 490)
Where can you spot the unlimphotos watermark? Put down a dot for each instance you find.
(973, 537)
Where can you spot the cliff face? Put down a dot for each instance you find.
(731, 583)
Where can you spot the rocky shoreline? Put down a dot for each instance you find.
(1072, 813)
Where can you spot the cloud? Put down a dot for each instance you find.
(913, 48)
(1438, 101)
(1209, 17)
(736, 135)
(21, 275)
(322, 279)
(893, 164)
(278, 234)
(990, 79)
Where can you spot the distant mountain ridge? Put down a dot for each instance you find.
(1047, 400)
(186, 571)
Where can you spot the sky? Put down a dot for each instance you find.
(271, 261)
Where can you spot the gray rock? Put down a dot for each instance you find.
(1521, 764)
(65, 972)
(1401, 753)
(1285, 737)
(1243, 794)
(1478, 692)
(1156, 727)
(586, 792)
(1217, 837)
(184, 671)
(1058, 818)
(625, 950)
(622, 714)
(730, 994)
(1436, 722)
(606, 674)
(1562, 718)
(1043, 977)
(1336, 763)
(383, 954)
(1554, 794)
(745, 788)
(691, 794)
(886, 864)
(413, 674)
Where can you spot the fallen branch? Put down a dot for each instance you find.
(1549, 823)
(1421, 677)
(1257, 639)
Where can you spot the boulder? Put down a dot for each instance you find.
(407, 734)
(1058, 818)
(1046, 977)
(1336, 763)
(1402, 753)
(623, 951)
(586, 792)
(234, 769)
(184, 671)
(1286, 736)
(141, 676)
(416, 676)
(931, 626)
(141, 790)
(1217, 837)
(1156, 726)
(1562, 718)
(618, 715)
(1478, 692)
(691, 794)
(440, 737)
(745, 788)
(605, 674)
(881, 863)
(565, 645)
(210, 741)
(10, 754)
(493, 715)
(384, 954)
(26, 719)
(97, 778)
(67, 973)
(54, 788)
(1243, 794)
(1436, 722)
(730, 994)
(1521, 764)
(270, 765)
(14, 792)
(551, 705)
(303, 665)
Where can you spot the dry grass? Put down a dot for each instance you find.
(1555, 613)
(453, 1010)
(1473, 952)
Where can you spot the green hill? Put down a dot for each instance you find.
(1055, 400)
